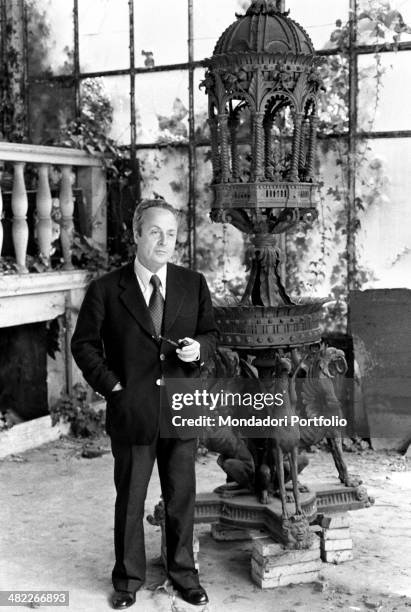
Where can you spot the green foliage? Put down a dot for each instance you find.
(85, 421)
(51, 104)
(34, 264)
(39, 42)
(315, 257)
(379, 23)
(173, 128)
(3, 422)
(88, 255)
(327, 242)
(8, 265)
(90, 131)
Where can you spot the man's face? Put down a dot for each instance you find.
(157, 241)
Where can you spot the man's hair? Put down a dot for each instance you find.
(144, 205)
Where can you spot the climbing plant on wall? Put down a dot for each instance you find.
(317, 259)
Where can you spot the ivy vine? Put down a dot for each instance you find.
(377, 24)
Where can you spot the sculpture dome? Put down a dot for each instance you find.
(264, 29)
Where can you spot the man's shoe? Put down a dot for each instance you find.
(120, 600)
(196, 597)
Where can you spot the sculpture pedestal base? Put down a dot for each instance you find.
(335, 537)
(245, 513)
(227, 533)
(242, 517)
(273, 566)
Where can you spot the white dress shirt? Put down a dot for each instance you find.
(144, 276)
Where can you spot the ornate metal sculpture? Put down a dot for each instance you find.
(321, 394)
(263, 86)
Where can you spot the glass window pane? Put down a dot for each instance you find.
(318, 18)
(384, 242)
(220, 247)
(44, 121)
(161, 31)
(200, 107)
(385, 92)
(103, 35)
(211, 18)
(315, 261)
(162, 106)
(50, 36)
(165, 172)
(333, 102)
(403, 21)
(383, 22)
(114, 91)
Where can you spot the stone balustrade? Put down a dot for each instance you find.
(90, 178)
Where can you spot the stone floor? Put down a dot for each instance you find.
(56, 515)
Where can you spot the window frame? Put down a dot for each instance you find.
(352, 135)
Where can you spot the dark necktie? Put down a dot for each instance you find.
(156, 304)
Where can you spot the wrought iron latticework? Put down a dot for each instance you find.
(262, 85)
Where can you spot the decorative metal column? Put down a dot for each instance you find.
(264, 71)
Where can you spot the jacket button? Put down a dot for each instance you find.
(162, 357)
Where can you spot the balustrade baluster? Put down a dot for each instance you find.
(19, 205)
(67, 208)
(43, 204)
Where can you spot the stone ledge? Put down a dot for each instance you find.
(30, 434)
(281, 571)
(269, 583)
(337, 556)
(337, 534)
(40, 154)
(12, 285)
(335, 521)
(279, 557)
(327, 545)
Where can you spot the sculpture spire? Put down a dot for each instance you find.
(266, 7)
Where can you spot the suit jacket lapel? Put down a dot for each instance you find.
(133, 299)
(175, 296)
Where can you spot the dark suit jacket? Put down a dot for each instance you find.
(114, 342)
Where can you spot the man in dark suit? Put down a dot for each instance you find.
(117, 347)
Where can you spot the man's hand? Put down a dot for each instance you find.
(189, 352)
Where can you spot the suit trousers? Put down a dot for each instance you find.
(133, 466)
